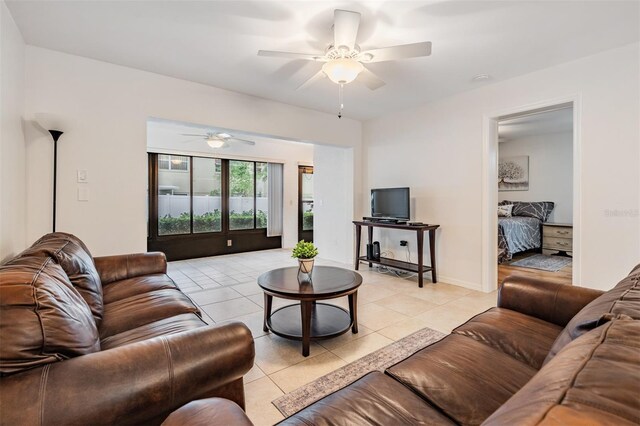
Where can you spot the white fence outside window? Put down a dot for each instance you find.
(175, 205)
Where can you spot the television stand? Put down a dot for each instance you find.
(420, 268)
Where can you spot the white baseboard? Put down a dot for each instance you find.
(460, 283)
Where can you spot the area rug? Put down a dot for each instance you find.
(543, 262)
(300, 398)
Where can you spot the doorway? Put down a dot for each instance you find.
(490, 197)
(535, 195)
(305, 203)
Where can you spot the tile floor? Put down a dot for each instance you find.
(390, 308)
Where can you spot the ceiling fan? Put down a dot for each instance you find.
(344, 61)
(219, 140)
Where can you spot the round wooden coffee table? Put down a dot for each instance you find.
(309, 320)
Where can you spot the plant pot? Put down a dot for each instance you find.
(306, 265)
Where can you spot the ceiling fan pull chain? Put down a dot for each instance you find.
(340, 99)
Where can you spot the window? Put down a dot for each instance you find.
(174, 197)
(198, 195)
(262, 194)
(207, 195)
(173, 162)
(241, 195)
(307, 201)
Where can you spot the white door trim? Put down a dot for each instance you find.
(490, 186)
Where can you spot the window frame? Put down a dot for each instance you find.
(153, 216)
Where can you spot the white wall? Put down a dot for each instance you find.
(13, 199)
(162, 137)
(550, 171)
(108, 107)
(437, 151)
(333, 180)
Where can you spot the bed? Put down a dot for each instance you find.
(521, 230)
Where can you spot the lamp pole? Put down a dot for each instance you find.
(55, 134)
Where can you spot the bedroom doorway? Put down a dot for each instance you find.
(535, 194)
(531, 177)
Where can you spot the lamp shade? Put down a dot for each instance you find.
(215, 143)
(343, 70)
(50, 122)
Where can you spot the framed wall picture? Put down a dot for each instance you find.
(513, 173)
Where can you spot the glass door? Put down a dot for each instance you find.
(305, 203)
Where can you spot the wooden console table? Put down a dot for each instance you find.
(420, 268)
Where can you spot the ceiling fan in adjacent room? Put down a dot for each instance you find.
(219, 140)
(344, 61)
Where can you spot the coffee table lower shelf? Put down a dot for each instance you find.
(327, 321)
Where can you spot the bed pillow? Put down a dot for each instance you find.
(539, 210)
(505, 210)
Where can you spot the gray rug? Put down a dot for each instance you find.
(543, 262)
(379, 360)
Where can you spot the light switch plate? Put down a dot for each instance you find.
(83, 193)
(83, 176)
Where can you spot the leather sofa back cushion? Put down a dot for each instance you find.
(621, 301)
(593, 380)
(74, 257)
(43, 318)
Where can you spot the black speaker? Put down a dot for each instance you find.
(376, 250)
(369, 251)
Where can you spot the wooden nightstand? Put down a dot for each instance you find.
(557, 237)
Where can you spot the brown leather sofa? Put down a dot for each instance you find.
(109, 340)
(548, 354)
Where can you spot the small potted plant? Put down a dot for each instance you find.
(305, 253)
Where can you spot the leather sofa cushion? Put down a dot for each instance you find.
(464, 378)
(622, 300)
(594, 380)
(164, 327)
(375, 399)
(207, 412)
(142, 309)
(43, 318)
(122, 289)
(76, 260)
(525, 338)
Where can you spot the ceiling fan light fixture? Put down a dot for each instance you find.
(481, 77)
(367, 57)
(223, 135)
(343, 70)
(215, 143)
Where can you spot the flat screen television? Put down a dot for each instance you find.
(390, 203)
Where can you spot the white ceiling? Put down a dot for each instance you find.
(541, 123)
(215, 42)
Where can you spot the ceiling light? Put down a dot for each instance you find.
(342, 71)
(223, 135)
(215, 143)
(367, 57)
(481, 77)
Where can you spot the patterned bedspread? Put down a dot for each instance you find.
(516, 234)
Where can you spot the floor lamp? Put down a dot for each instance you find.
(52, 124)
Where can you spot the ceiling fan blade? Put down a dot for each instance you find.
(192, 134)
(244, 141)
(307, 56)
(192, 140)
(393, 53)
(316, 77)
(345, 28)
(370, 80)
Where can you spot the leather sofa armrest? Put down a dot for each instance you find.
(121, 267)
(548, 301)
(140, 383)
